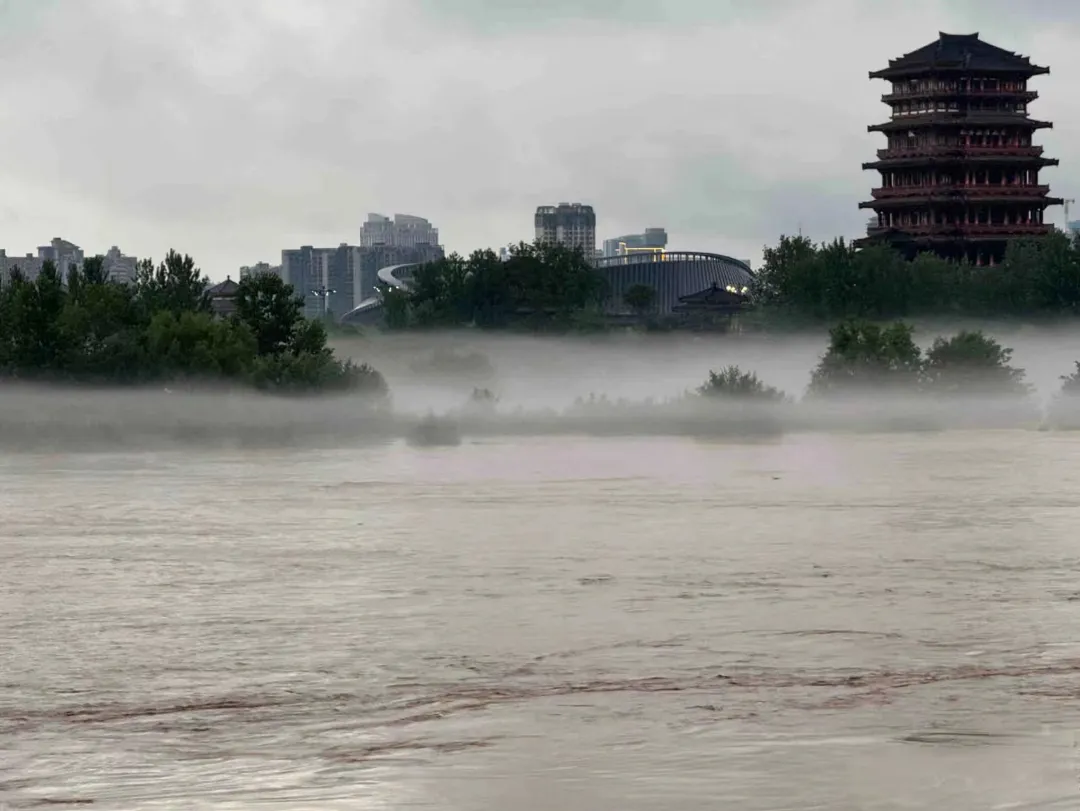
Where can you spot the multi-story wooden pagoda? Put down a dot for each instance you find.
(960, 174)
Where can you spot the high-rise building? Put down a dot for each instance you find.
(307, 269)
(960, 172)
(29, 266)
(120, 268)
(654, 239)
(402, 231)
(572, 225)
(60, 252)
(63, 254)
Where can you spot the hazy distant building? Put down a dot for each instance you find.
(347, 274)
(572, 225)
(63, 254)
(654, 239)
(1073, 226)
(120, 268)
(307, 269)
(60, 252)
(401, 231)
(29, 265)
(260, 268)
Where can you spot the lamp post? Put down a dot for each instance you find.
(323, 293)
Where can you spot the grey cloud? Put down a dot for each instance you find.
(233, 130)
(499, 16)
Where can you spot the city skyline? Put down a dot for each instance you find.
(479, 123)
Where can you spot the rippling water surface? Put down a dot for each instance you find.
(872, 622)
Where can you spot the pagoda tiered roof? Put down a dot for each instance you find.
(958, 52)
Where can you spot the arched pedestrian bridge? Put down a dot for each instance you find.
(369, 310)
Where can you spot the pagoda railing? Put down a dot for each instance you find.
(960, 190)
(1027, 95)
(966, 229)
(971, 151)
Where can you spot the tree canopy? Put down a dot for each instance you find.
(1038, 277)
(87, 329)
(865, 357)
(540, 283)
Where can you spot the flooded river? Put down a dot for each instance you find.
(856, 622)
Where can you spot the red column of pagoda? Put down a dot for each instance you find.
(960, 172)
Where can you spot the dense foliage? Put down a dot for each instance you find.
(87, 329)
(1038, 277)
(540, 284)
(866, 357)
(732, 383)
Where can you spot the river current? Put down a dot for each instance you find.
(814, 622)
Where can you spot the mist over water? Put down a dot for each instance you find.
(218, 600)
(532, 372)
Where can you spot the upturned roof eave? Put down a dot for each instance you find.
(902, 71)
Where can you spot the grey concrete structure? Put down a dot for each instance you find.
(673, 275)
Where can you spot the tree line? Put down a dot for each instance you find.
(544, 285)
(81, 327)
(828, 281)
(539, 285)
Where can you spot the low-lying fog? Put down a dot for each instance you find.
(536, 372)
(536, 381)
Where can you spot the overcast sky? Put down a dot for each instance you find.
(231, 130)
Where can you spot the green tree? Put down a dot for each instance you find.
(176, 285)
(863, 355)
(640, 298)
(270, 309)
(1070, 384)
(197, 346)
(395, 308)
(733, 383)
(36, 344)
(540, 284)
(971, 362)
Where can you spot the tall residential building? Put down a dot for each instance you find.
(1073, 227)
(403, 231)
(120, 268)
(29, 266)
(307, 269)
(572, 225)
(654, 239)
(60, 252)
(63, 254)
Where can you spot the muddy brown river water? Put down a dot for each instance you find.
(816, 622)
